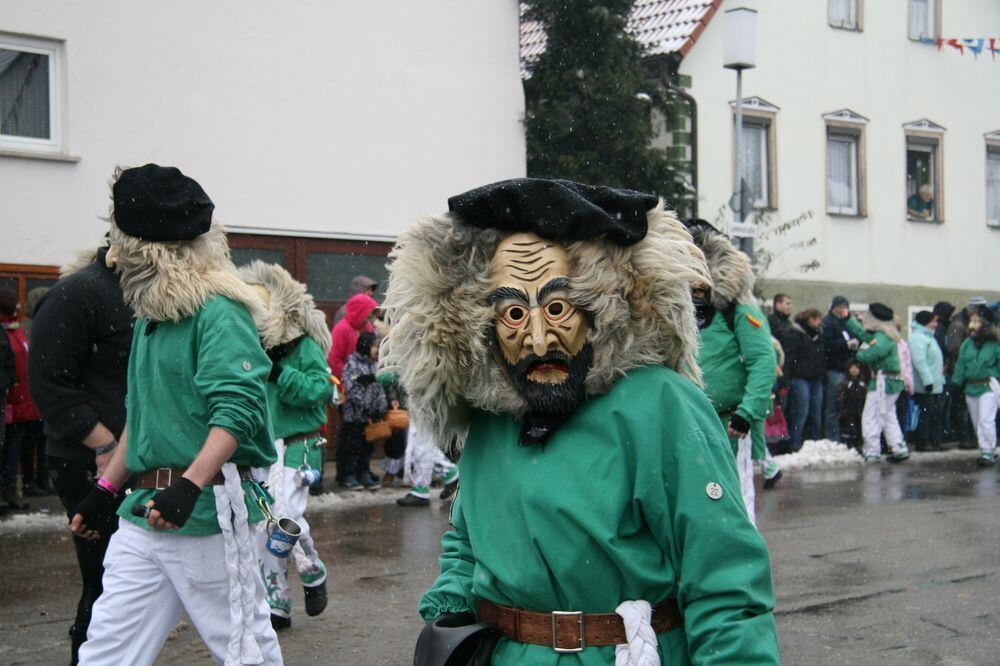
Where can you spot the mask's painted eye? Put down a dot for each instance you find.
(515, 315)
(557, 310)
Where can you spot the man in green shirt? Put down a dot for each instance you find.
(294, 334)
(197, 421)
(599, 511)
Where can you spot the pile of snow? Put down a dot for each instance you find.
(20, 523)
(341, 500)
(820, 454)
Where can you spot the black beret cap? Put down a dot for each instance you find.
(558, 210)
(160, 204)
(881, 311)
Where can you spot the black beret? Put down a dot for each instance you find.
(558, 210)
(881, 311)
(160, 204)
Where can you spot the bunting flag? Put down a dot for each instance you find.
(974, 45)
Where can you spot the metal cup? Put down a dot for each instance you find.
(307, 476)
(282, 537)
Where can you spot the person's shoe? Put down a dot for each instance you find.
(770, 483)
(369, 482)
(412, 500)
(280, 623)
(449, 489)
(316, 599)
(873, 458)
(900, 456)
(15, 501)
(986, 459)
(350, 483)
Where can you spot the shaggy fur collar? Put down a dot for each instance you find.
(732, 273)
(291, 312)
(171, 281)
(872, 324)
(441, 326)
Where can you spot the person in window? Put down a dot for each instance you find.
(921, 205)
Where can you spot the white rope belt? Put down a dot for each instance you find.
(642, 648)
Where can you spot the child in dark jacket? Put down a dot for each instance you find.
(850, 403)
(364, 401)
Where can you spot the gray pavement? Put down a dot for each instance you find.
(873, 565)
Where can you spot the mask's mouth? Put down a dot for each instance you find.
(548, 372)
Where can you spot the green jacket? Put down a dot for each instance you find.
(977, 364)
(927, 359)
(299, 398)
(880, 354)
(614, 507)
(207, 370)
(739, 369)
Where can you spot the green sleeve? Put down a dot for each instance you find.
(724, 587)
(305, 378)
(879, 347)
(958, 376)
(857, 330)
(758, 357)
(232, 369)
(452, 591)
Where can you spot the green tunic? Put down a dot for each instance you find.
(207, 370)
(615, 507)
(739, 370)
(977, 364)
(880, 354)
(298, 402)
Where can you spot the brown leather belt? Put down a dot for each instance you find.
(571, 631)
(158, 479)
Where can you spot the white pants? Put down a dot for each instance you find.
(744, 465)
(879, 416)
(983, 412)
(425, 461)
(149, 577)
(290, 502)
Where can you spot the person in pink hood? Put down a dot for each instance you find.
(360, 310)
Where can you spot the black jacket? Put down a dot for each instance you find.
(837, 351)
(781, 329)
(81, 337)
(805, 356)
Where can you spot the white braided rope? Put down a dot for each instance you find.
(883, 402)
(744, 466)
(642, 648)
(234, 521)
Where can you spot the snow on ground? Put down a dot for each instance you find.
(826, 454)
(38, 521)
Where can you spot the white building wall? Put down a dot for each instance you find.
(310, 117)
(808, 69)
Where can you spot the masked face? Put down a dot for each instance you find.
(975, 325)
(541, 336)
(703, 310)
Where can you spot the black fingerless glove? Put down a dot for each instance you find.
(176, 502)
(99, 509)
(365, 380)
(275, 372)
(739, 424)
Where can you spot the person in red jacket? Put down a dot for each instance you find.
(360, 311)
(23, 423)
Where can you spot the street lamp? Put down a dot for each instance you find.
(740, 52)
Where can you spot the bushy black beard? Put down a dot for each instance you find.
(550, 404)
(704, 312)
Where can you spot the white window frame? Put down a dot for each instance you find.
(855, 12)
(992, 153)
(927, 136)
(933, 20)
(852, 141)
(55, 144)
(850, 125)
(761, 113)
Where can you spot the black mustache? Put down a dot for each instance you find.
(530, 360)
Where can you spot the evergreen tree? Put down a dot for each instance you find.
(590, 102)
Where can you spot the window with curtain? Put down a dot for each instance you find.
(756, 162)
(993, 186)
(842, 174)
(843, 13)
(921, 18)
(24, 94)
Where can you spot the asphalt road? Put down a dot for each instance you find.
(872, 565)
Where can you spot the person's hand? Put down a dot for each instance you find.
(738, 426)
(853, 344)
(395, 404)
(95, 515)
(171, 507)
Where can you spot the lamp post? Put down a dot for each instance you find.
(740, 53)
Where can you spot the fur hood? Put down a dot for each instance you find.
(872, 324)
(82, 259)
(732, 273)
(291, 313)
(440, 339)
